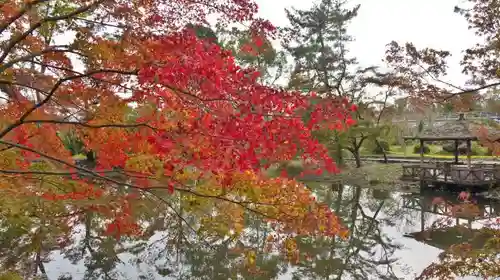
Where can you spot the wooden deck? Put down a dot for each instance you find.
(447, 173)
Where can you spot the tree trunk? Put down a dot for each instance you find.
(384, 153)
(339, 159)
(357, 157)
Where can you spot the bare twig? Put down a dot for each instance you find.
(22, 36)
(471, 90)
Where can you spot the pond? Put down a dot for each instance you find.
(385, 243)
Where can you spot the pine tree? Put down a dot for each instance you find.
(317, 42)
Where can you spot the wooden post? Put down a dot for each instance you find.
(469, 151)
(421, 151)
(422, 219)
(422, 170)
(456, 152)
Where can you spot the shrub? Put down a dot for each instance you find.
(294, 168)
(72, 142)
(443, 153)
(476, 149)
(383, 144)
(479, 150)
(449, 148)
(416, 149)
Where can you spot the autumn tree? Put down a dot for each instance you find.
(175, 130)
(317, 41)
(491, 102)
(422, 70)
(422, 74)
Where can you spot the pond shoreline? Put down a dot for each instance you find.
(409, 159)
(372, 175)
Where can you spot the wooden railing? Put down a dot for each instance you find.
(451, 173)
(451, 116)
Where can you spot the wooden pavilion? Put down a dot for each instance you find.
(474, 176)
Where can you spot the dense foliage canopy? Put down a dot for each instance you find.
(172, 128)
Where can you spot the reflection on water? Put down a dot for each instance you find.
(393, 236)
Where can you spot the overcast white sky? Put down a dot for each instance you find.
(426, 23)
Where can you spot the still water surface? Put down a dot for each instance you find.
(385, 243)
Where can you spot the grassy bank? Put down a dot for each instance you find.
(386, 176)
(373, 175)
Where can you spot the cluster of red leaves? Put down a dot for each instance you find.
(255, 47)
(88, 192)
(213, 115)
(489, 139)
(124, 223)
(208, 112)
(234, 123)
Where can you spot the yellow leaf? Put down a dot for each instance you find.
(251, 258)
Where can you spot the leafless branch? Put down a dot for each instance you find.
(471, 90)
(22, 36)
(102, 23)
(47, 173)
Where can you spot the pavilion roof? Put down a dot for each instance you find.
(459, 129)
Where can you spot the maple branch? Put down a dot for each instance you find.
(48, 173)
(79, 73)
(19, 14)
(145, 189)
(102, 23)
(31, 55)
(148, 190)
(243, 204)
(438, 79)
(169, 205)
(186, 189)
(76, 167)
(471, 90)
(23, 36)
(92, 125)
(53, 91)
(11, 83)
(63, 215)
(240, 203)
(185, 92)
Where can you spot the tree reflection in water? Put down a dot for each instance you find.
(172, 249)
(367, 254)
